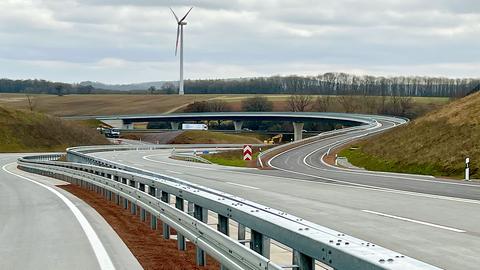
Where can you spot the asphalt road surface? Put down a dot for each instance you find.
(435, 221)
(44, 227)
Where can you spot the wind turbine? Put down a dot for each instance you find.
(181, 23)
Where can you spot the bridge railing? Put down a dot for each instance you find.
(309, 242)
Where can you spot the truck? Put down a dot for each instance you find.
(194, 127)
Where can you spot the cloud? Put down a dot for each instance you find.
(131, 41)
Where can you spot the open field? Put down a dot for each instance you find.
(24, 131)
(436, 144)
(72, 105)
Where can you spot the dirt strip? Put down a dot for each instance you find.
(148, 246)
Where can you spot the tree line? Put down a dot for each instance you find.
(43, 87)
(338, 84)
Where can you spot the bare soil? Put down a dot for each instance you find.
(161, 254)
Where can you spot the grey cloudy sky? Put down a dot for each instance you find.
(121, 41)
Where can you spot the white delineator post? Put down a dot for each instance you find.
(247, 152)
(467, 169)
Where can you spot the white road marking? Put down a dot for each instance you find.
(100, 252)
(350, 185)
(173, 172)
(415, 221)
(240, 185)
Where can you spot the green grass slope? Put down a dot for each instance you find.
(24, 131)
(436, 144)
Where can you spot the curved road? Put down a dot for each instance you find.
(307, 161)
(45, 227)
(441, 230)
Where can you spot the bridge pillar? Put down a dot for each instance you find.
(297, 131)
(201, 214)
(182, 244)
(127, 125)
(165, 228)
(260, 244)
(238, 125)
(304, 262)
(174, 125)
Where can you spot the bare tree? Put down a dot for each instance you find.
(322, 103)
(30, 102)
(218, 106)
(349, 103)
(257, 104)
(299, 103)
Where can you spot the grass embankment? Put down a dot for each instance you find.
(208, 137)
(233, 158)
(24, 131)
(436, 144)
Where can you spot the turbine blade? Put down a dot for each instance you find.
(178, 36)
(176, 18)
(184, 17)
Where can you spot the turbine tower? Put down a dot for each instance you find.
(180, 23)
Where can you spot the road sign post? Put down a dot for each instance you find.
(247, 152)
(467, 169)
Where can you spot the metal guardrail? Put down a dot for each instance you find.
(231, 254)
(308, 241)
(190, 157)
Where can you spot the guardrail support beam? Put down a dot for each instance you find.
(182, 244)
(260, 244)
(165, 228)
(223, 227)
(201, 214)
(304, 262)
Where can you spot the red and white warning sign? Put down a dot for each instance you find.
(247, 152)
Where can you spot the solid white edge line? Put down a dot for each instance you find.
(240, 185)
(415, 221)
(100, 252)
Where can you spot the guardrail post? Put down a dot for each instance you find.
(182, 244)
(260, 244)
(223, 227)
(201, 214)
(304, 262)
(166, 229)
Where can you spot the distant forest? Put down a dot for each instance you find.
(43, 87)
(326, 84)
(338, 84)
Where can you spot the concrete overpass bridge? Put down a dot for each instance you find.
(297, 119)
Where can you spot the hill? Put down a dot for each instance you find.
(24, 131)
(435, 144)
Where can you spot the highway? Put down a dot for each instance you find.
(408, 214)
(45, 227)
